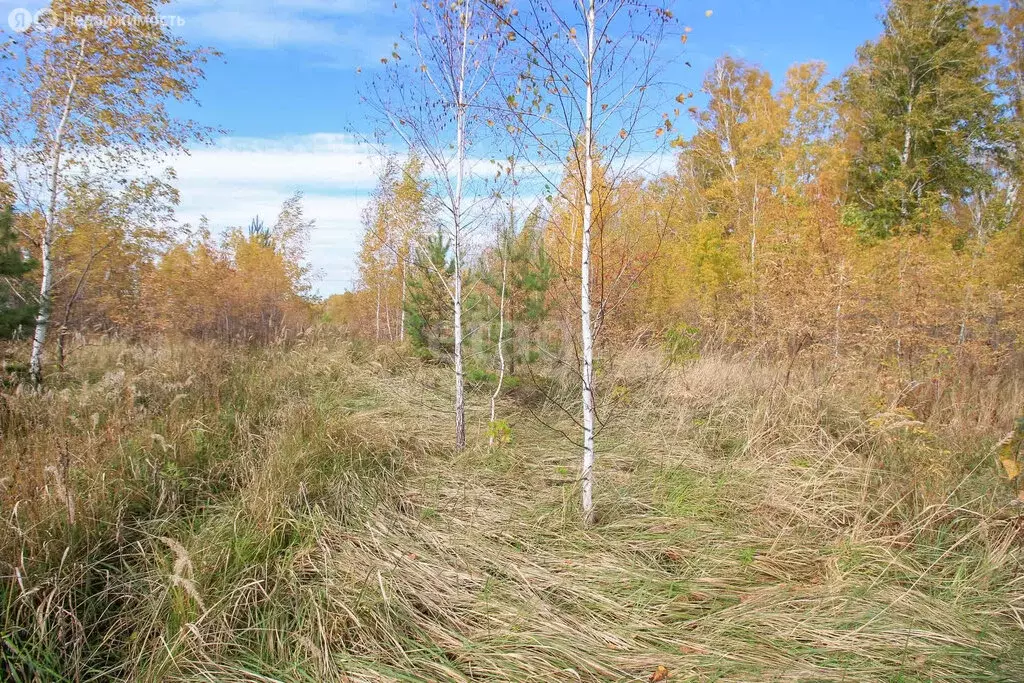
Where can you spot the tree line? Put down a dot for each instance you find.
(90, 242)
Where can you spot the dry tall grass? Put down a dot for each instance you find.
(197, 513)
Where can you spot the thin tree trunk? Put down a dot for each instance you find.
(839, 310)
(501, 343)
(907, 137)
(460, 151)
(49, 228)
(905, 154)
(753, 256)
(62, 334)
(567, 340)
(72, 300)
(401, 330)
(976, 251)
(587, 338)
(899, 307)
(377, 332)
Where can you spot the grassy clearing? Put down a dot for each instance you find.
(187, 513)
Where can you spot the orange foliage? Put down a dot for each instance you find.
(249, 288)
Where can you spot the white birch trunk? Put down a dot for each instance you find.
(586, 332)
(905, 154)
(907, 134)
(49, 229)
(43, 317)
(501, 343)
(460, 154)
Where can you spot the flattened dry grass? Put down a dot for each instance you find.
(301, 517)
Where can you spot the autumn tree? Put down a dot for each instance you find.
(378, 257)
(737, 146)
(812, 160)
(395, 226)
(109, 238)
(90, 94)
(186, 292)
(248, 286)
(586, 88)
(925, 115)
(1008, 21)
(348, 311)
(413, 214)
(432, 98)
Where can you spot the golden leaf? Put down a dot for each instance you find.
(708, 13)
(660, 674)
(623, 133)
(1011, 466)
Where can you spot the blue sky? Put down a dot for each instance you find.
(286, 92)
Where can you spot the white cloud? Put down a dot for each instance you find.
(333, 28)
(238, 178)
(337, 33)
(260, 30)
(320, 160)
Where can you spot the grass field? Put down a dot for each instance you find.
(194, 513)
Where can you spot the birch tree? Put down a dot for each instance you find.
(395, 222)
(412, 217)
(377, 251)
(587, 88)
(926, 116)
(108, 239)
(504, 242)
(432, 99)
(95, 94)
